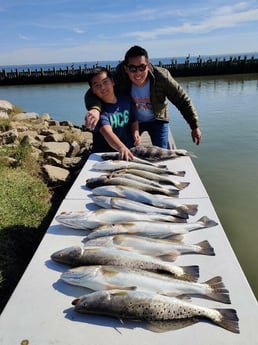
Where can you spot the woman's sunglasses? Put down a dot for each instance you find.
(133, 68)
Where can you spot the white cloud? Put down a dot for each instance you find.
(163, 28)
(78, 31)
(216, 22)
(24, 37)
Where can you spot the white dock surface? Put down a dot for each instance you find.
(40, 311)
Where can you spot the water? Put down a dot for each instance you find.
(227, 159)
(61, 101)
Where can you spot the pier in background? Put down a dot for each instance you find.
(202, 67)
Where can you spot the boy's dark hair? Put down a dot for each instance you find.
(135, 51)
(97, 71)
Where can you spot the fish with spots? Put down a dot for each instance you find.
(153, 307)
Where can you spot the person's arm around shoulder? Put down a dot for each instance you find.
(94, 106)
(113, 140)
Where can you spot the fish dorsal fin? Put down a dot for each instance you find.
(108, 271)
(168, 256)
(92, 248)
(119, 293)
(127, 249)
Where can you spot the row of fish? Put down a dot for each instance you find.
(128, 256)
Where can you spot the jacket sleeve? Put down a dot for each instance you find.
(91, 101)
(180, 99)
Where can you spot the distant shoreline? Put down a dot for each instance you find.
(113, 63)
(187, 68)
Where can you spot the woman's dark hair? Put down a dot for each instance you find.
(97, 71)
(135, 51)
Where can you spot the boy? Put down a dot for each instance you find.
(117, 129)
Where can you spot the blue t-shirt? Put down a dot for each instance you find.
(141, 98)
(119, 116)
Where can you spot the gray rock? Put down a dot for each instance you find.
(74, 149)
(6, 106)
(8, 137)
(47, 131)
(71, 162)
(56, 137)
(55, 161)
(26, 116)
(4, 115)
(45, 117)
(56, 174)
(56, 149)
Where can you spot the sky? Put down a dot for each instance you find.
(59, 31)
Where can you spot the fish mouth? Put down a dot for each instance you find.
(76, 301)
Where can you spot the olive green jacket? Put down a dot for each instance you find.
(163, 87)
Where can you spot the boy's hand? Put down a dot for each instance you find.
(91, 119)
(125, 154)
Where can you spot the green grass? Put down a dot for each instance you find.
(24, 206)
(24, 198)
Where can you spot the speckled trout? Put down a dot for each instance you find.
(92, 219)
(149, 306)
(147, 179)
(112, 165)
(114, 277)
(151, 246)
(115, 156)
(105, 180)
(153, 153)
(155, 229)
(131, 205)
(164, 179)
(135, 194)
(78, 256)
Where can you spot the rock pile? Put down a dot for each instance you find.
(61, 147)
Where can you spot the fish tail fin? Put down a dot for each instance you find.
(206, 248)
(179, 173)
(219, 292)
(181, 213)
(182, 185)
(191, 209)
(171, 192)
(191, 273)
(207, 222)
(229, 320)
